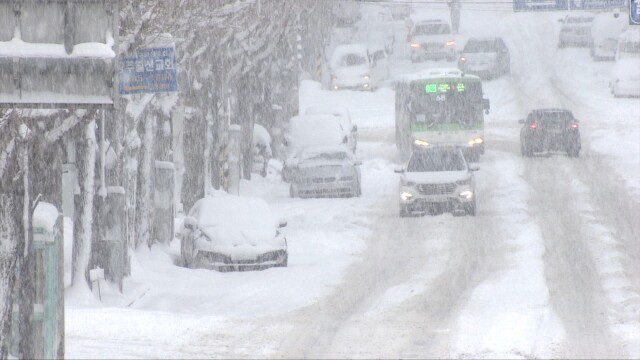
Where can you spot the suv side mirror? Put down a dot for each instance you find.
(282, 223)
(521, 121)
(486, 105)
(398, 170)
(474, 167)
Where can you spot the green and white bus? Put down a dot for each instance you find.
(441, 107)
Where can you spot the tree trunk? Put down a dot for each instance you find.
(84, 213)
(144, 201)
(11, 238)
(193, 184)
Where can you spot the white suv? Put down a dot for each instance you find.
(437, 179)
(433, 40)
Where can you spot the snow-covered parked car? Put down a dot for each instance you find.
(232, 233)
(261, 149)
(437, 179)
(576, 30)
(344, 117)
(310, 130)
(351, 68)
(605, 29)
(326, 171)
(625, 74)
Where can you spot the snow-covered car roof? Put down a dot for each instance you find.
(310, 130)
(336, 152)
(330, 110)
(346, 49)
(579, 18)
(436, 73)
(225, 218)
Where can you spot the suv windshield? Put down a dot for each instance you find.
(431, 29)
(436, 161)
(353, 60)
(550, 119)
(479, 46)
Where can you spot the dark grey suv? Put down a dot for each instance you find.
(547, 130)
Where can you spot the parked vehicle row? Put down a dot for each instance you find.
(609, 38)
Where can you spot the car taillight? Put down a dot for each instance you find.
(574, 124)
(415, 45)
(533, 126)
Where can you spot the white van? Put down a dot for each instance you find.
(625, 75)
(605, 29)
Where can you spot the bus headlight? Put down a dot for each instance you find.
(476, 141)
(420, 143)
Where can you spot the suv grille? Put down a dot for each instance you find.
(435, 189)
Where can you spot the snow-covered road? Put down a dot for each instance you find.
(550, 267)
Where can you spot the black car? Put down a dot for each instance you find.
(547, 130)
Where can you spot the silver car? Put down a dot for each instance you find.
(326, 171)
(487, 57)
(437, 179)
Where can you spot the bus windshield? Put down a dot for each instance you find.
(445, 104)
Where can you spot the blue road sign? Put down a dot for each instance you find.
(634, 12)
(149, 70)
(554, 5)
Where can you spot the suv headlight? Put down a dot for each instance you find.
(467, 194)
(420, 143)
(406, 196)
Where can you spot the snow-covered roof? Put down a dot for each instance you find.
(18, 48)
(45, 216)
(334, 110)
(339, 151)
(436, 73)
(229, 218)
(345, 49)
(309, 130)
